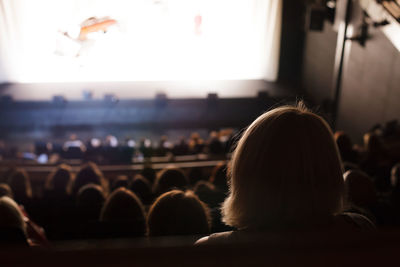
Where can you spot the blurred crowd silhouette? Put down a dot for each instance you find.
(287, 171)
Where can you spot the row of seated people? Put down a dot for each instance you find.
(286, 173)
(86, 206)
(111, 150)
(373, 183)
(375, 157)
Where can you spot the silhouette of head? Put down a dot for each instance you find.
(59, 179)
(5, 191)
(88, 174)
(285, 170)
(168, 179)
(178, 213)
(122, 205)
(89, 202)
(360, 188)
(21, 186)
(141, 187)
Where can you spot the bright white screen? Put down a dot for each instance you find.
(153, 40)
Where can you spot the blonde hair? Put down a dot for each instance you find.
(286, 169)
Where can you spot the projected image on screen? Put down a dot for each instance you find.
(121, 40)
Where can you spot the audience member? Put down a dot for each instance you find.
(145, 147)
(219, 177)
(57, 208)
(181, 148)
(12, 225)
(142, 188)
(122, 215)
(196, 144)
(170, 178)
(376, 162)
(73, 148)
(395, 193)
(207, 193)
(5, 191)
(88, 174)
(59, 181)
(178, 213)
(347, 152)
(164, 147)
(89, 202)
(121, 181)
(360, 188)
(21, 187)
(285, 173)
(74, 142)
(362, 198)
(215, 146)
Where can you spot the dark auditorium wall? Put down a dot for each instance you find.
(371, 85)
(292, 40)
(318, 62)
(371, 79)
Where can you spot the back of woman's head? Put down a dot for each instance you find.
(21, 186)
(178, 213)
(285, 170)
(360, 188)
(59, 179)
(88, 174)
(122, 205)
(170, 178)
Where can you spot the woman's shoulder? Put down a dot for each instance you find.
(216, 238)
(233, 237)
(346, 221)
(354, 221)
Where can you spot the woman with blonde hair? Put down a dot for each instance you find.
(285, 173)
